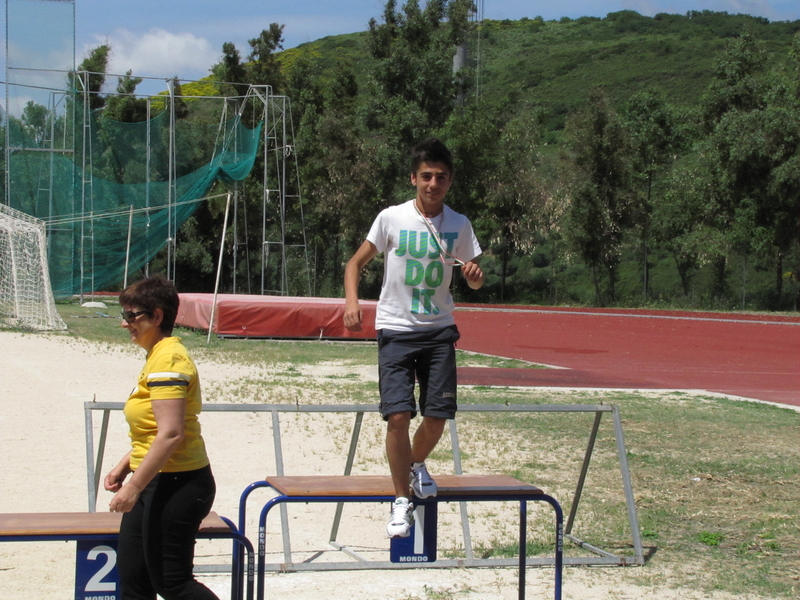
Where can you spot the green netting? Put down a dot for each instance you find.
(86, 188)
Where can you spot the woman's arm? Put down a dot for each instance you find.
(169, 415)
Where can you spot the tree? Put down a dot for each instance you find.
(681, 222)
(739, 82)
(601, 209)
(412, 87)
(34, 121)
(514, 197)
(753, 147)
(119, 146)
(96, 65)
(332, 157)
(181, 109)
(264, 68)
(125, 106)
(657, 135)
(231, 71)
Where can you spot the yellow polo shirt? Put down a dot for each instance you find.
(168, 373)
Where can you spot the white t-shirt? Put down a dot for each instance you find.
(416, 279)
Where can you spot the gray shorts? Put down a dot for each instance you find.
(428, 357)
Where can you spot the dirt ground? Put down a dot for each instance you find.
(44, 383)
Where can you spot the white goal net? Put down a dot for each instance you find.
(26, 298)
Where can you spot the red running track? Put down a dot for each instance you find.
(752, 356)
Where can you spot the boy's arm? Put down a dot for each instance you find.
(352, 275)
(473, 274)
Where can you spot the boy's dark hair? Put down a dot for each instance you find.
(430, 151)
(151, 293)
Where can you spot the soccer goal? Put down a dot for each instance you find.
(26, 298)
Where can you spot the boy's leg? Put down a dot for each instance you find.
(436, 373)
(398, 451)
(396, 374)
(401, 453)
(426, 437)
(396, 360)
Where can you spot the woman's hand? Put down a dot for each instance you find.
(124, 499)
(116, 477)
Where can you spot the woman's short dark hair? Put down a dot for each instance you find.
(430, 151)
(151, 293)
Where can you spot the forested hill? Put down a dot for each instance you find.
(555, 63)
(626, 160)
(625, 53)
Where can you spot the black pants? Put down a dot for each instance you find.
(157, 538)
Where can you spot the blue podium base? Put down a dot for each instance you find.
(420, 545)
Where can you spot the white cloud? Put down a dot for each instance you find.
(158, 53)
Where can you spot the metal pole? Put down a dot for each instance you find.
(170, 181)
(86, 116)
(219, 268)
(101, 451)
(523, 543)
(276, 438)
(626, 483)
(87, 424)
(147, 194)
(52, 166)
(282, 166)
(6, 150)
(584, 469)
(235, 230)
(265, 196)
(461, 505)
(128, 249)
(348, 468)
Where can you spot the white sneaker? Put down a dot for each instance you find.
(421, 482)
(402, 519)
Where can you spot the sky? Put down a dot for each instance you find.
(183, 38)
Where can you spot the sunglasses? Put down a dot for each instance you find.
(130, 316)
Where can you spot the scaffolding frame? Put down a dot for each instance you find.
(281, 190)
(280, 181)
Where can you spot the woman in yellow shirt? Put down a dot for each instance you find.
(171, 488)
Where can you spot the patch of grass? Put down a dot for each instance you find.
(95, 324)
(434, 593)
(504, 549)
(345, 376)
(710, 538)
(466, 358)
(649, 534)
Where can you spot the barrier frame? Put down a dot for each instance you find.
(600, 557)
